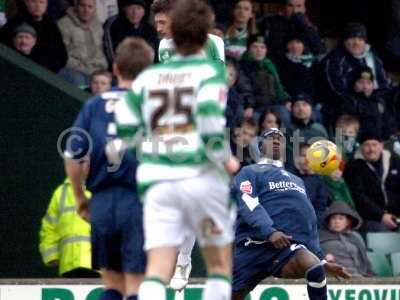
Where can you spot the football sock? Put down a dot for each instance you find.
(218, 287)
(111, 294)
(316, 283)
(152, 288)
(132, 297)
(185, 251)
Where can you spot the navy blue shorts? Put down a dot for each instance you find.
(117, 230)
(253, 263)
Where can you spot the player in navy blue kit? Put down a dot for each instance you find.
(276, 227)
(114, 210)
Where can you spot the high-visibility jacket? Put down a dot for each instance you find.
(64, 235)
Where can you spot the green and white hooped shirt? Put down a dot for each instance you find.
(214, 49)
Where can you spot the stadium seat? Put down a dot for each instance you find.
(395, 261)
(383, 242)
(380, 264)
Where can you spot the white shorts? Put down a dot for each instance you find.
(198, 206)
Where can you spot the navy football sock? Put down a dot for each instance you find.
(132, 297)
(111, 294)
(316, 283)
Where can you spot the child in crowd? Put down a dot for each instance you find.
(243, 134)
(100, 82)
(341, 243)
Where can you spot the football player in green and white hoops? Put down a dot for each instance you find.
(214, 50)
(185, 161)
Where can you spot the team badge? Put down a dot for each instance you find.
(245, 187)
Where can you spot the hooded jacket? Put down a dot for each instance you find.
(372, 195)
(84, 43)
(347, 246)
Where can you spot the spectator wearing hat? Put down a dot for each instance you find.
(296, 67)
(130, 21)
(374, 181)
(340, 241)
(262, 74)
(341, 66)
(292, 20)
(25, 39)
(82, 33)
(303, 128)
(50, 50)
(368, 106)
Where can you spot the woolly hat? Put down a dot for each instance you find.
(26, 28)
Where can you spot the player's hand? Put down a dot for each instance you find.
(337, 270)
(231, 165)
(389, 221)
(83, 209)
(279, 239)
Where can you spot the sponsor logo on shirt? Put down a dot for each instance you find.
(282, 186)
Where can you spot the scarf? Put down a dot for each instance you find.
(306, 60)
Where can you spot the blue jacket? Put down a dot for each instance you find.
(271, 199)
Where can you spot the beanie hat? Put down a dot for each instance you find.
(26, 28)
(123, 3)
(363, 73)
(301, 96)
(255, 38)
(355, 30)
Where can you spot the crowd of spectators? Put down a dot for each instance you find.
(282, 72)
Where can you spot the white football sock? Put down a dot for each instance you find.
(152, 289)
(185, 251)
(218, 287)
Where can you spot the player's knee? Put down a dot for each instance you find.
(315, 276)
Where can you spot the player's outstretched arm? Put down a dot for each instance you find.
(249, 207)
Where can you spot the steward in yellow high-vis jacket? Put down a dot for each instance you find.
(65, 236)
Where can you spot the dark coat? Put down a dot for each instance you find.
(117, 28)
(278, 28)
(234, 108)
(372, 112)
(295, 77)
(338, 71)
(49, 51)
(264, 80)
(372, 196)
(347, 247)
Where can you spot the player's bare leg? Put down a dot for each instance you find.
(305, 264)
(114, 283)
(160, 267)
(132, 283)
(183, 264)
(218, 261)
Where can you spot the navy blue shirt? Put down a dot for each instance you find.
(93, 128)
(271, 199)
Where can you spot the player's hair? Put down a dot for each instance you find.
(132, 56)
(162, 6)
(347, 120)
(101, 72)
(191, 21)
(251, 26)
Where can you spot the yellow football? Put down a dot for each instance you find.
(323, 157)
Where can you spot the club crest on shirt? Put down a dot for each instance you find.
(245, 187)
